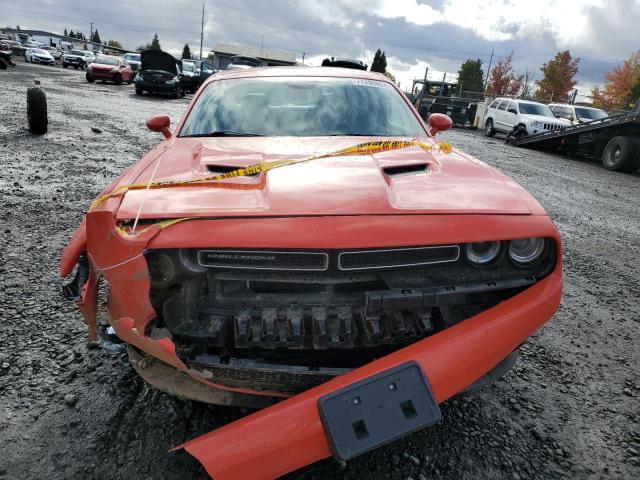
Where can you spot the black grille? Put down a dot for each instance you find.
(264, 260)
(399, 257)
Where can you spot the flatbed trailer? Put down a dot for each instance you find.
(615, 140)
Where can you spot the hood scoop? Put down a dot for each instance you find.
(215, 169)
(403, 169)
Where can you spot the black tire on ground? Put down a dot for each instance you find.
(178, 94)
(3, 64)
(83, 65)
(64, 65)
(489, 130)
(76, 66)
(621, 155)
(37, 111)
(139, 91)
(90, 79)
(117, 79)
(129, 82)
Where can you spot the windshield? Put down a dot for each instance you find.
(39, 51)
(106, 60)
(188, 66)
(590, 113)
(132, 57)
(301, 107)
(535, 109)
(77, 52)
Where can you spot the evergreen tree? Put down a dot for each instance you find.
(96, 37)
(155, 43)
(71, 34)
(379, 63)
(186, 52)
(470, 77)
(65, 33)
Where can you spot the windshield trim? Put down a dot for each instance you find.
(212, 80)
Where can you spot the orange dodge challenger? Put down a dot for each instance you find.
(302, 243)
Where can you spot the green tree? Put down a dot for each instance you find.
(186, 51)
(470, 76)
(379, 63)
(557, 78)
(71, 34)
(155, 43)
(96, 37)
(114, 43)
(65, 32)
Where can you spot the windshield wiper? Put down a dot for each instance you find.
(225, 133)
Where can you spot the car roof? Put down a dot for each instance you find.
(573, 105)
(329, 72)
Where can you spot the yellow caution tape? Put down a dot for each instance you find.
(161, 224)
(368, 148)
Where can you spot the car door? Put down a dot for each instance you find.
(511, 115)
(500, 120)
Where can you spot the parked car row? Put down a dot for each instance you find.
(152, 71)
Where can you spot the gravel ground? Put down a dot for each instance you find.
(569, 409)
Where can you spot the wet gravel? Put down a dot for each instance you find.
(569, 409)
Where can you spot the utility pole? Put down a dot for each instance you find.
(488, 71)
(202, 31)
(442, 84)
(91, 34)
(424, 84)
(303, 54)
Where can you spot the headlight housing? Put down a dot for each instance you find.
(114, 70)
(527, 251)
(537, 123)
(482, 253)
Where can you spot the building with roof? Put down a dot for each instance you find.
(222, 54)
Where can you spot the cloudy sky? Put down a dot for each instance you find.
(414, 33)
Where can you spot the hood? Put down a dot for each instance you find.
(408, 181)
(158, 60)
(102, 66)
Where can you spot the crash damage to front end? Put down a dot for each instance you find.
(244, 312)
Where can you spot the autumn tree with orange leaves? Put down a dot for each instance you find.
(503, 80)
(621, 86)
(557, 78)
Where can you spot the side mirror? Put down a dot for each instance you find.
(160, 123)
(512, 110)
(439, 122)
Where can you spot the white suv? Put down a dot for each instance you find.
(577, 114)
(505, 113)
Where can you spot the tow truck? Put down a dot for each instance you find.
(615, 140)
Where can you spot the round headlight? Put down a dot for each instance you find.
(482, 253)
(526, 250)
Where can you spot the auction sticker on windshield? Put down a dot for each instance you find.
(370, 83)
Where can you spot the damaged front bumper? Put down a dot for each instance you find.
(259, 446)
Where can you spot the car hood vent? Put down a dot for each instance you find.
(400, 169)
(220, 169)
